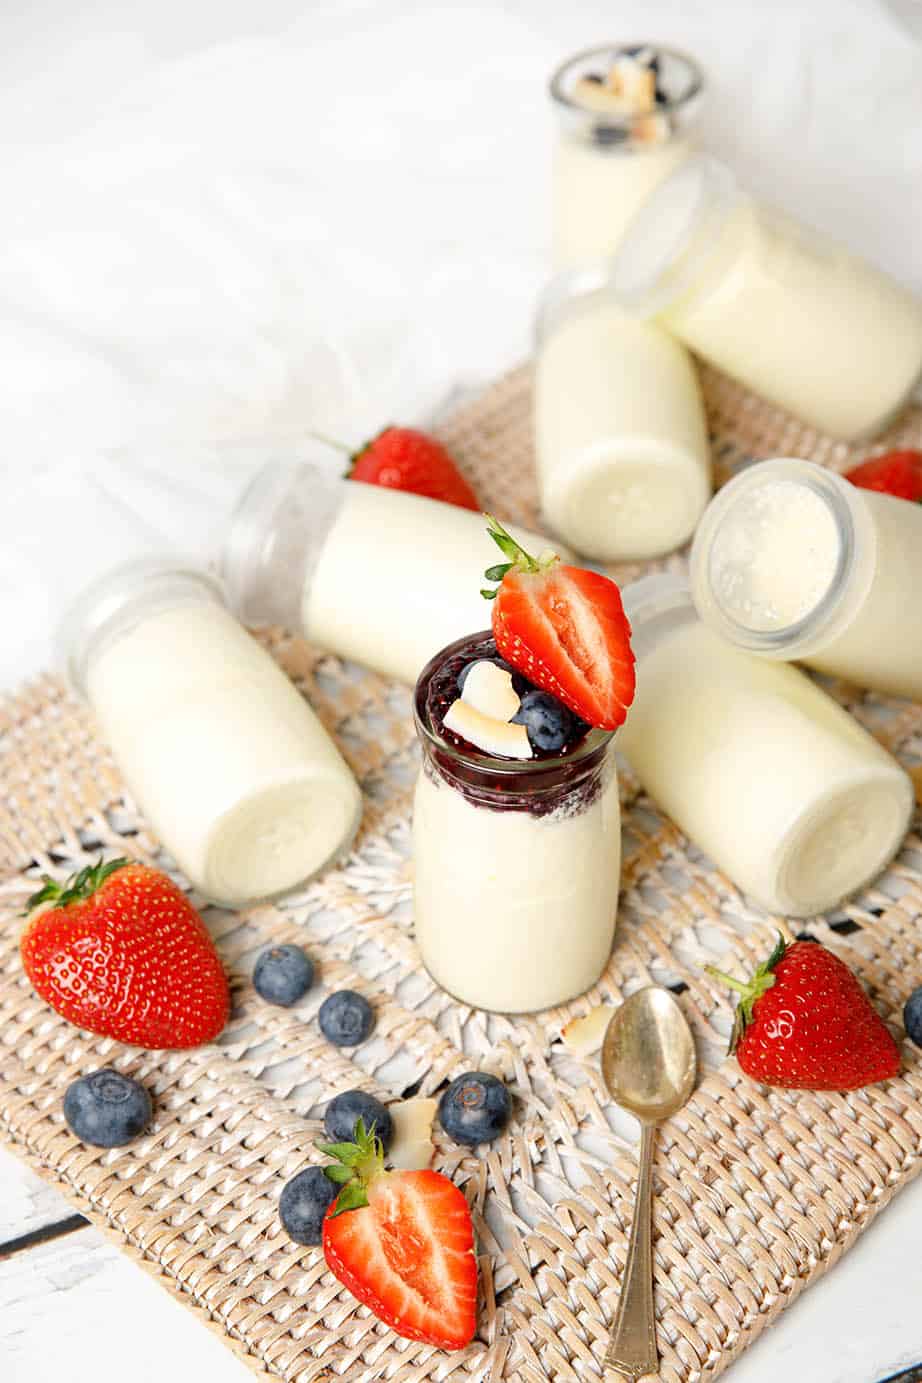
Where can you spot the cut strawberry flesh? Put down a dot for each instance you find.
(408, 1255)
(566, 631)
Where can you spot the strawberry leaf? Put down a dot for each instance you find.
(346, 1153)
(351, 1197)
(78, 887)
(338, 1173)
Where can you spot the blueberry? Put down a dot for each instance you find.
(343, 1112)
(549, 724)
(283, 975)
(346, 1018)
(475, 1108)
(304, 1202)
(107, 1109)
(912, 1016)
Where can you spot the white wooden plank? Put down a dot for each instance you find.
(27, 1203)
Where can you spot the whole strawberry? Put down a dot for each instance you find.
(402, 458)
(120, 950)
(804, 1022)
(403, 1243)
(564, 628)
(897, 473)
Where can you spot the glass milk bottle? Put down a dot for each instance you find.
(621, 443)
(789, 796)
(225, 758)
(516, 862)
(787, 311)
(378, 576)
(623, 115)
(794, 562)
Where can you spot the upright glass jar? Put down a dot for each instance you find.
(612, 150)
(793, 562)
(782, 308)
(227, 761)
(621, 443)
(379, 576)
(517, 863)
(781, 787)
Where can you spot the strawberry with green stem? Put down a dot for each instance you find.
(119, 949)
(564, 628)
(403, 1244)
(403, 458)
(804, 1022)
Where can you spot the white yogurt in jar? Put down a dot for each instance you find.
(379, 576)
(227, 761)
(621, 442)
(611, 152)
(795, 316)
(516, 861)
(514, 912)
(793, 562)
(789, 796)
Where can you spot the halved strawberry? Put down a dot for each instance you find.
(564, 628)
(403, 1243)
(896, 473)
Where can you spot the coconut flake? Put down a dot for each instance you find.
(411, 1147)
(584, 1035)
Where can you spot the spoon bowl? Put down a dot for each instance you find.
(648, 1056)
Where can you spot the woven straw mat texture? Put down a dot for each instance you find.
(757, 1191)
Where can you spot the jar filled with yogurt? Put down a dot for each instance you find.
(378, 576)
(517, 847)
(624, 112)
(228, 763)
(782, 308)
(793, 562)
(621, 442)
(789, 796)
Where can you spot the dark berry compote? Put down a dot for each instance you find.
(567, 755)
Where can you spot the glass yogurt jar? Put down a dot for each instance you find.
(379, 576)
(517, 861)
(781, 787)
(787, 311)
(624, 112)
(227, 761)
(621, 442)
(793, 562)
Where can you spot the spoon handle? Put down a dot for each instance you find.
(632, 1346)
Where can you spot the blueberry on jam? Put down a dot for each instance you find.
(546, 741)
(548, 722)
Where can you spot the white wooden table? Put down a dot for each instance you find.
(373, 175)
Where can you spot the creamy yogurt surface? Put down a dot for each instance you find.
(781, 787)
(514, 912)
(228, 762)
(398, 577)
(621, 442)
(807, 324)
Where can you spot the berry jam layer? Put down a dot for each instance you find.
(564, 761)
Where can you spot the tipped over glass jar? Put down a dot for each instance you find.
(227, 761)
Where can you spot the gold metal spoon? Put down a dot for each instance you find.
(648, 1065)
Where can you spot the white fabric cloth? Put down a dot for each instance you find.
(225, 224)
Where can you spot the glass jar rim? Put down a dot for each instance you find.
(98, 611)
(614, 119)
(799, 633)
(490, 765)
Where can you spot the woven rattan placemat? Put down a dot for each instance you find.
(758, 1192)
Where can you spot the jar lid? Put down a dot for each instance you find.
(113, 602)
(274, 539)
(655, 605)
(673, 235)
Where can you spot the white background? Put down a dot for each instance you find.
(225, 222)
